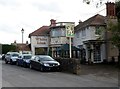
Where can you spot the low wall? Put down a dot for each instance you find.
(70, 65)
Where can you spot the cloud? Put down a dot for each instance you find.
(47, 7)
(8, 3)
(32, 14)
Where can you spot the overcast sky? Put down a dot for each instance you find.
(32, 14)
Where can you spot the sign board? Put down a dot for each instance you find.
(69, 30)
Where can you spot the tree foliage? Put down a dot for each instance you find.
(6, 48)
(115, 30)
(118, 10)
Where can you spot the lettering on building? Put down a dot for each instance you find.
(41, 40)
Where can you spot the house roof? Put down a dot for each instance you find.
(93, 21)
(44, 30)
(23, 47)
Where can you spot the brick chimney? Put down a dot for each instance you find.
(26, 42)
(110, 10)
(53, 22)
(80, 22)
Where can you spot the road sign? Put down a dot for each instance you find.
(69, 30)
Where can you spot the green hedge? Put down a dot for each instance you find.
(70, 65)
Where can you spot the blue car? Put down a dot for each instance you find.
(24, 60)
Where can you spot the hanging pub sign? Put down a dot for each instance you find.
(69, 29)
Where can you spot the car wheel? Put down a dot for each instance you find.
(6, 62)
(11, 62)
(24, 64)
(17, 63)
(31, 66)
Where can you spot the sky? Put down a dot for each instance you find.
(32, 14)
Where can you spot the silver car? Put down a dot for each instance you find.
(11, 57)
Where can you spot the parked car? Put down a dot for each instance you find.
(3, 56)
(0, 56)
(23, 60)
(44, 63)
(11, 57)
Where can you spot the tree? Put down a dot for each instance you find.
(114, 28)
(118, 10)
(98, 3)
(6, 48)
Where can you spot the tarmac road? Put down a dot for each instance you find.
(16, 76)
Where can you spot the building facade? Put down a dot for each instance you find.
(58, 37)
(39, 40)
(93, 38)
(89, 37)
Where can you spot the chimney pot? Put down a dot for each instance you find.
(53, 22)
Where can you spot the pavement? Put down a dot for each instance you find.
(103, 70)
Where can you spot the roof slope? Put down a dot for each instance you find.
(95, 20)
(44, 30)
(23, 47)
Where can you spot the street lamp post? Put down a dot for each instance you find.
(22, 38)
(22, 34)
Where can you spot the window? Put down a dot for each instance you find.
(98, 30)
(77, 34)
(58, 32)
(15, 55)
(83, 33)
(27, 57)
(37, 59)
(63, 33)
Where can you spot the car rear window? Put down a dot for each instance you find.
(27, 57)
(15, 55)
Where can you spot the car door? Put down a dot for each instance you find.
(32, 62)
(37, 64)
(21, 60)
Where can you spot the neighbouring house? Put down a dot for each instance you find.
(39, 40)
(51, 39)
(87, 35)
(23, 48)
(91, 36)
(59, 42)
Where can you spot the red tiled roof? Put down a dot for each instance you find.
(44, 30)
(95, 20)
(23, 47)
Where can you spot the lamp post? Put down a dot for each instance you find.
(22, 34)
(22, 38)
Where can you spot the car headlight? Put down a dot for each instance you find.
(58, 64)
(46, 64)
(27, 61)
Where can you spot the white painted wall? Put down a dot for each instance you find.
(38, 41)
(59, 40)
(90, 35)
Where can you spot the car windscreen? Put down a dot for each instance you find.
(15, 55)
(46, 58)
(27, 57)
